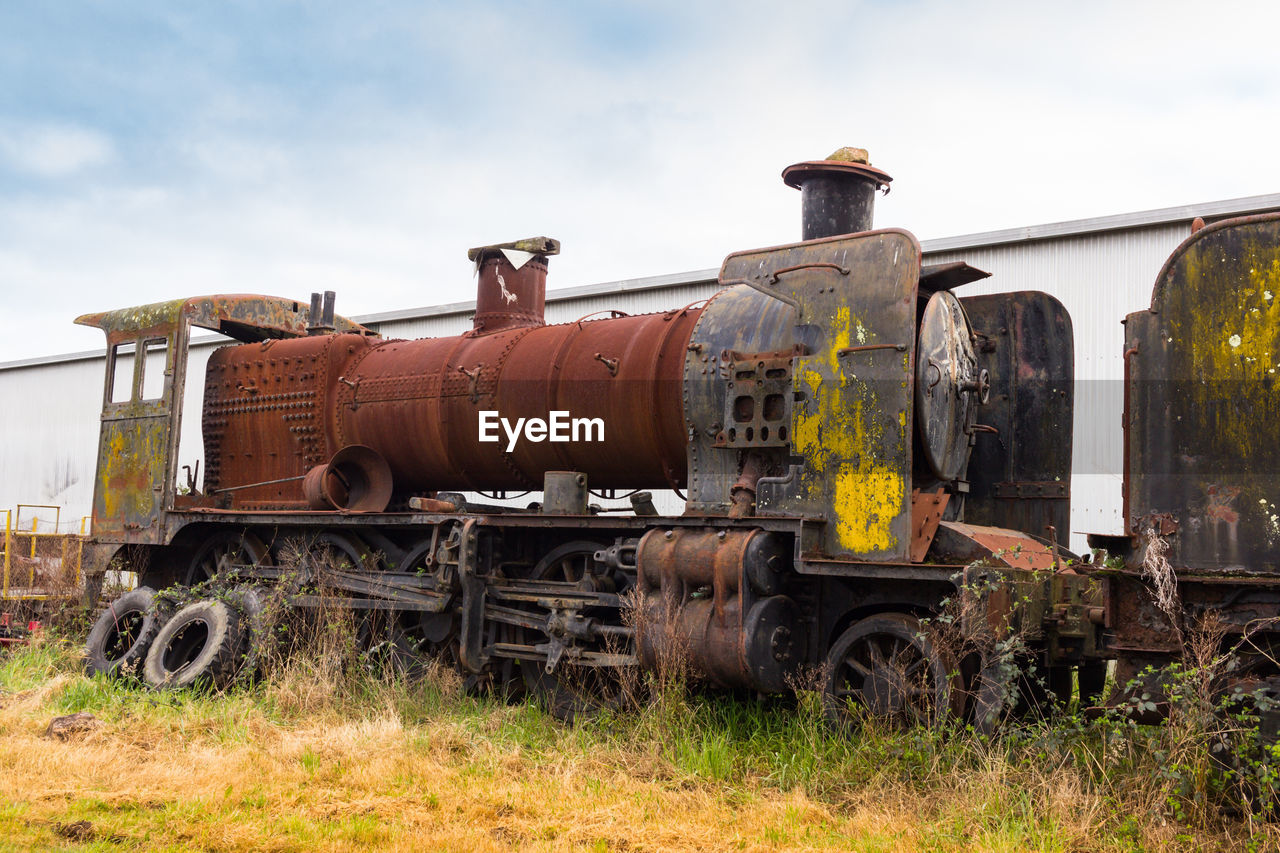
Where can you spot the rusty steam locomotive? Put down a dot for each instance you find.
(854, 441)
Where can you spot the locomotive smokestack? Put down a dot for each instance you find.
(513, 283)
(837, 195)
(320, 320)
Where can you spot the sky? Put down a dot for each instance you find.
(158, 150)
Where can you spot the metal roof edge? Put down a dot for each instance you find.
(1097, 224)
(653, 282)
(195, 342)
(61, 358)
(1026, 234)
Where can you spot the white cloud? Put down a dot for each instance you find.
(52, 150)
(661, 158)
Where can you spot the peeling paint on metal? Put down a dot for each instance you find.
(832, 433)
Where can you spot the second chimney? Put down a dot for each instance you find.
(512, 288)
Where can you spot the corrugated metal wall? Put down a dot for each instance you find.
(49, 438)
(49, 425)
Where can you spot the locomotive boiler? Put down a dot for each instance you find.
(853, 441)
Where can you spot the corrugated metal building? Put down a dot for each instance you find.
(1101, 269)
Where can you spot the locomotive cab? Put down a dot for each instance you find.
(147, 349)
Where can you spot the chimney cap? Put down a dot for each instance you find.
(844, 161)
(532, 245)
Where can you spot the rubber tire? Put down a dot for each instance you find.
(250, 602)
(209, 662)
(140, 603)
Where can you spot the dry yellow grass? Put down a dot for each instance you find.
(285, 768)
(351, 785)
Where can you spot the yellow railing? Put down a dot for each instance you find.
(39, 564)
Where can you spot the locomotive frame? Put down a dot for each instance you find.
(859, 446)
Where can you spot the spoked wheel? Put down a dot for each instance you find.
(435, 635)
(311, 584)
(387, 647)
(889, 666)
(318, 558)
(225, 549)
(574, 691)
(570, 562)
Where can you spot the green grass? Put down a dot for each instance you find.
(770, 771)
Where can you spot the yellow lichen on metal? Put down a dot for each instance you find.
(832, 430)
(1230, 332)
(131, 465)
(242, 316)
(1204, 439)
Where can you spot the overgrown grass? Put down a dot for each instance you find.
(319, 759)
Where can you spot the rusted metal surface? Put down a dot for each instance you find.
(433, 505)
(1061, 611)
(713, 597)
(790, 406)
(1240, 606)
(418, 403)
(935, 277)
(138, 437)
(738, 321)
(852, 417)
(1203, 392)
(949, 386)
(1020, 470)
(512, 283)
(268, 416)
(564, 493)
(141, 418)
(957, 542)
(1141, 627)
(926, 513)
(357, 478)
(758, 400)
(1033, 491)
(244, 317)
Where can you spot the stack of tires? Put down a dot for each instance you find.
(206, 643)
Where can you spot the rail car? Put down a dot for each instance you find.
(856, 445)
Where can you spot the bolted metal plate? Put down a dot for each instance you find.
(851, 411)
(1020, 469)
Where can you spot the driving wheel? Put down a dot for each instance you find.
(891, 667)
